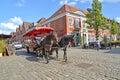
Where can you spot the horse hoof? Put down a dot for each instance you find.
(57, 59)
(46, 62)
(65, 60)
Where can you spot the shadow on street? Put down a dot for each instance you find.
(114, 51)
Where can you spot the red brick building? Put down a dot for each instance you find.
(71, 20)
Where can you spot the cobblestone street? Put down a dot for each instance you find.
(83, 64)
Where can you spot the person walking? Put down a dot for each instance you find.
(98, 44)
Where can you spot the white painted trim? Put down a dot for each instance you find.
(79, 13)
(64, 14)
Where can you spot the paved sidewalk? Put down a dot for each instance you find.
(83, 64)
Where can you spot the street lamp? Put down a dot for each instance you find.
(84, 35)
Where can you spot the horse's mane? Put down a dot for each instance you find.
(64, 40)
(48, 37)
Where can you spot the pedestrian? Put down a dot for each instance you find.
(98, 44)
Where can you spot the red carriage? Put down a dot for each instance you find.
(49, 42)
(31, 44)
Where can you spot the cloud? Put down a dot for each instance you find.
(84, 1)
(10, 26)
(21, 3)
(118, 19)
(16, 20)
(111, 1)
(0, 32)
(74, 2)
(63, 2)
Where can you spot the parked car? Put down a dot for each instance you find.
(17, 45)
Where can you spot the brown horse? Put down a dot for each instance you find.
(46, 45)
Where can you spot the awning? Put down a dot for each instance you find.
(38, 30)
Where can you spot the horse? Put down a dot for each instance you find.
(63, 43)
(46, 45)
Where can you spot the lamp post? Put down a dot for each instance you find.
(83, 32)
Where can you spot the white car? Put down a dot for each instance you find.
(17, 45)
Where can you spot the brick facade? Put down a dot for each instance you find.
(65, 19)
(60, 21)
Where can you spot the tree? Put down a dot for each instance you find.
(114, 28)
(119, 31)
(95, 18)
(119, 28)
(105, 41)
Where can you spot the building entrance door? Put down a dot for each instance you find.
(77, 35)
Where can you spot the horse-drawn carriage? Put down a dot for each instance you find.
(47, 42)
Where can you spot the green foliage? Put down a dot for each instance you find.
(114, 28)
(105, 41)
(117, 41)
(2, 45)
(119, 29)
(95, 18)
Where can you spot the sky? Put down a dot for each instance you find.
(14, 12)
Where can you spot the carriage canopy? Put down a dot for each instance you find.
(38, 30)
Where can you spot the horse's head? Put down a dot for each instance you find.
(54, 36)
(72, 38)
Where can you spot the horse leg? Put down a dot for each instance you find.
(47, 56)
(28, 51)
(65, 54)
(57, 53)
(37, 51)
(41, 52)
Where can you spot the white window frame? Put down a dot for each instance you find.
(77, 23)
(71, 22)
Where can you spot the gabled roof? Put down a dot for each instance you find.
(25, 25)
(13, 34)
(17, 29)
(20, 27)
(41, 20)
(69, 9)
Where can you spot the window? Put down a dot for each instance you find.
(70, 21)
(30, 26)
(77, 25)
